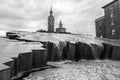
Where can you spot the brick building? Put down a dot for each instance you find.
(111, 20)
(60, 29)
(100, 27)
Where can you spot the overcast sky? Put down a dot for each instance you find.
(30, 15)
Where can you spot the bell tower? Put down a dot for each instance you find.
(51, 21)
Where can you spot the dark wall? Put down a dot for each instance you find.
(39, 58)
(5, 74)
(116, 53)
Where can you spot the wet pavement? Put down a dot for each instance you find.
(82, 70)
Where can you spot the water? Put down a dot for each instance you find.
(82, 70)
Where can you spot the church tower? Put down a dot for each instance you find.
(60, 29)
(51, 21)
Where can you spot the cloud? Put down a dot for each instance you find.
(77, 15)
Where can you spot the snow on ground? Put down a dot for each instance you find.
(56, 38)
(12, 48)
(82, 70)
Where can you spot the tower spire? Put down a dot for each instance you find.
(51, 10)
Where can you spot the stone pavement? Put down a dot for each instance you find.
(82, 70)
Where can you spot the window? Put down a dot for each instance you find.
(111, 14)
(111, 7)
(100, 23)
(101, 36)
(112, 22)
(100, 30)
(113, 32)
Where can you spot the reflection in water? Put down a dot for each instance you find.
(82, 70)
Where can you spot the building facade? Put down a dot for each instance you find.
(112, 20)
(60, 29)
(51, 21)
(100, 27)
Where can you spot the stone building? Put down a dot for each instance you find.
(112, 20)
(51, 21)
(60, 29)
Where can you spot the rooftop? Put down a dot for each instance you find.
(109, 3)
(99, 19)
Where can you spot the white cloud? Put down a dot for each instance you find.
(77, 15)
